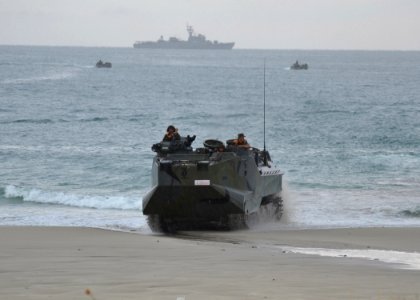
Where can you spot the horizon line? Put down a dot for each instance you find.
(266, 49)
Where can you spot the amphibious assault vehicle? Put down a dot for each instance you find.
(215, 186)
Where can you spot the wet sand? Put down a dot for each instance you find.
(65, 263)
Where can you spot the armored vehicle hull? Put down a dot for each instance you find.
(297, 66)
(215, 186)
(101, 64)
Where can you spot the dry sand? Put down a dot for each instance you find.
(61, 263)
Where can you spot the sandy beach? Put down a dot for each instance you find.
(83, 263)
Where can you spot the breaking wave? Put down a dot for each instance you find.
(411, 213)
(75, 200)
(95, 119)
(29, 121)
(50, 121)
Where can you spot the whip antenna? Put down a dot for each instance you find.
(265, 151)
(264, 104)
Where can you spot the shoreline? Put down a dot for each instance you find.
(63, 262)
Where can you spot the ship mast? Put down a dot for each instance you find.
(190, 31)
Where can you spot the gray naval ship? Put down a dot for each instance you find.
(195, 41)
(217, 186)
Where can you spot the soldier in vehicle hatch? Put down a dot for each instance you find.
(171, 134)
(241, 141)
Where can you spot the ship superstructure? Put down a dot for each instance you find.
(195, 41)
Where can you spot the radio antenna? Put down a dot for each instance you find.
(265, 151)
(264, 104)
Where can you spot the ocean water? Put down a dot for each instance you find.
(75, 140)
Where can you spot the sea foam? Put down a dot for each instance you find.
(75, 200)
(410, 260)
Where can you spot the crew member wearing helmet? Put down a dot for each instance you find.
(241, 141)
(171, 134)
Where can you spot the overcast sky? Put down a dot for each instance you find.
(262, 24)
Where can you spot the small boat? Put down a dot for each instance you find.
(297, 66)
(101, 64)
